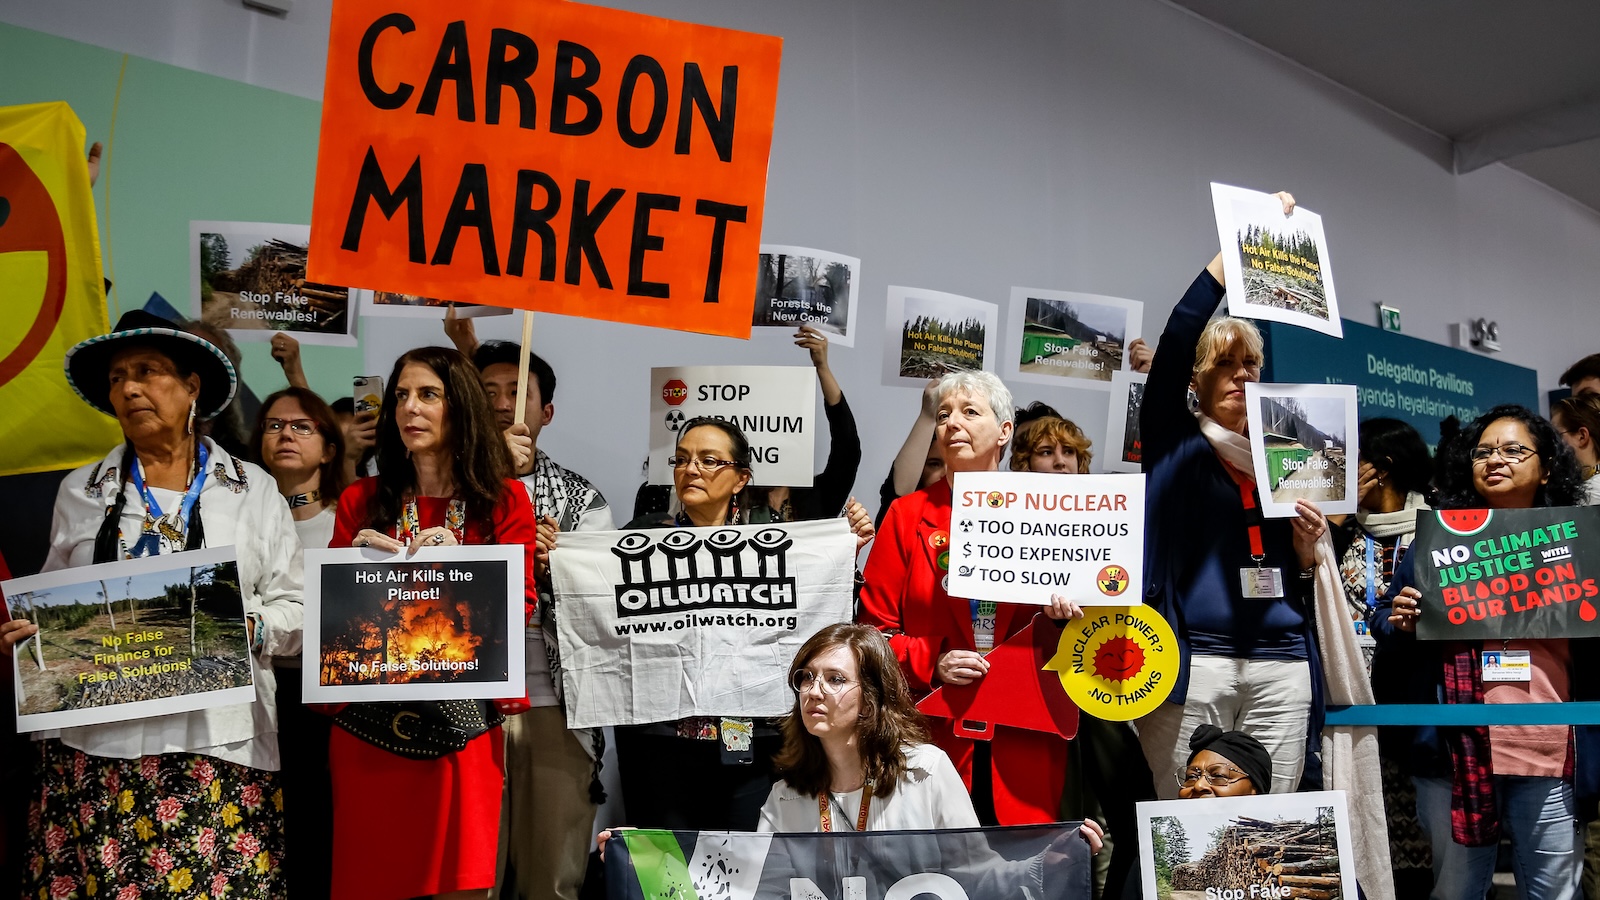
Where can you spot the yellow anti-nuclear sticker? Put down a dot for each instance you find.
(1117, 665)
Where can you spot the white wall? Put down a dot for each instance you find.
(967, 147)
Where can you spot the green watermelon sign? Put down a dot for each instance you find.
(1508, 573)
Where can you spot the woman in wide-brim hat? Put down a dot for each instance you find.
(184, 804)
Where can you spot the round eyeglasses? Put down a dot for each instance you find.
(832, 683)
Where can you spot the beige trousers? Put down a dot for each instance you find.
(547, 822)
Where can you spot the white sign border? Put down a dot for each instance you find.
(1133, 595)
(1223, 197)
(1016, 315)
(1116, 419)
(894, 324)
(1253, 392)
(515, 683)
(1256, 806)
(297, 233)
(852, 321)
(137, 709)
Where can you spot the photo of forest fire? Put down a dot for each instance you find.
(413, 622)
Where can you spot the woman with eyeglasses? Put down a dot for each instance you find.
(721, 767)
(1476, 782)
(1224, 764)
(299, 441)
(1017, 778)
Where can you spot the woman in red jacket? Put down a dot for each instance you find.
(443, 479)
(1017, 778)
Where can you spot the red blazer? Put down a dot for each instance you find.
(903, 595)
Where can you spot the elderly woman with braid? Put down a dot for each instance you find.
(183, 803)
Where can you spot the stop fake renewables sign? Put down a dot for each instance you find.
(1508, 573)
(550, 156)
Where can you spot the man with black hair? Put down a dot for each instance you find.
(1583, 376)
(552, 774)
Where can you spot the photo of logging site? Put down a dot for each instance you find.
(414, 622)
(1282, 268)
(802, 290)
(1304, 442)
(145, 636)
(389, 303)
(1070, 339)
(251, 281)
(1202, 857)
(938, 337)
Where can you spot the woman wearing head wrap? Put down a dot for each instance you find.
(186, 803)
(1224, 764)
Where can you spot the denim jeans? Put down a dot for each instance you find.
(1540, 817)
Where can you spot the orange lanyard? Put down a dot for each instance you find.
(1252, 515)
(827, 816)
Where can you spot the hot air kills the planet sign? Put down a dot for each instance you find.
(1022, 537)
(1508, 573)
(1118, 665)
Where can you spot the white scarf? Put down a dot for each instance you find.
(1349, 754)
(1403, 521)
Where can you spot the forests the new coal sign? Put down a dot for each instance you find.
(1508, 573)
(550, 156)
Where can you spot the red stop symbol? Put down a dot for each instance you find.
(675, 392)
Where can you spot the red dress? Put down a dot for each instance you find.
(903, 595)
(413, 827)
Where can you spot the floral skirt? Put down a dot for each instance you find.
(175, 826)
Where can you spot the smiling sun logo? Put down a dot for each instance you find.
(1118, 659)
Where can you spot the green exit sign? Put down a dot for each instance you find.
(1389, 318)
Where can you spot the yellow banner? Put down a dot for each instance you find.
(51, 291)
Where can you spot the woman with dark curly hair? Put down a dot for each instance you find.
(1474, 781)
(444, 478)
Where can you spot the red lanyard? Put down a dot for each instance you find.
(827, 816)
(1247, 496)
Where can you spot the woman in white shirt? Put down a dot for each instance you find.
(185, 803)
(855, 751)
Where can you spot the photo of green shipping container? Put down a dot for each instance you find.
(1036, 344)
(1285, 457)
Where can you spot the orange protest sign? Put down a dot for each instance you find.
(550, 156)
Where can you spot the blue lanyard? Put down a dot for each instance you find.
(1372, 575)
(149, 544)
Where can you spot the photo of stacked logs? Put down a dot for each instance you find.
(278, 267)
(1301, 857)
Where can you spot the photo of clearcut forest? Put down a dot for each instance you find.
(1282, 266)
(936, 339)
(149, 636)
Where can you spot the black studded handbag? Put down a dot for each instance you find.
(424, 729)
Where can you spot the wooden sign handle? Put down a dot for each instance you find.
(522, 367)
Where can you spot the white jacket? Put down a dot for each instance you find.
(930, 796)
(239, 505)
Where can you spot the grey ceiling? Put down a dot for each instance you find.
(1518, 82)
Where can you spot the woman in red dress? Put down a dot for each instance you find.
(406, 827)
(939, 639)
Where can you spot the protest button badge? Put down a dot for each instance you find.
(1118, 665)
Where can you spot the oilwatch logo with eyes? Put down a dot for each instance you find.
(689, 569)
